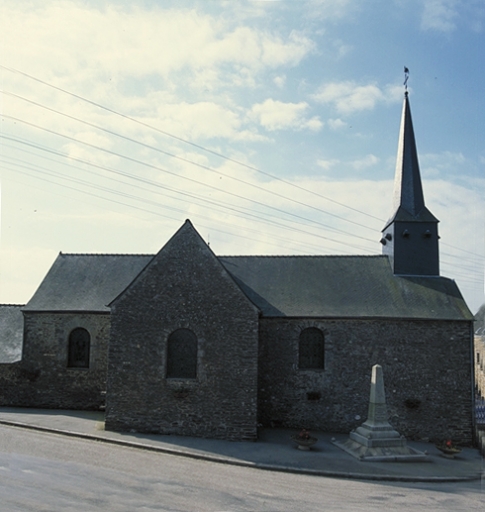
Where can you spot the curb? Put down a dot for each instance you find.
(234, 462)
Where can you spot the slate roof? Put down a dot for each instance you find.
(292, 286)
(11, 333)
(343, 287)
(86, 282)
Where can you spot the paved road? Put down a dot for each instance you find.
(48, 472)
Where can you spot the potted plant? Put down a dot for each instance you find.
(304, 440)
(448, 449)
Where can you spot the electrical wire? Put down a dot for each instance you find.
(145, 164)
(200, 165)
(185, 141)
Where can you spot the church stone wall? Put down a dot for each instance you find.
(427, 376)
(42, 378)
(184, 287)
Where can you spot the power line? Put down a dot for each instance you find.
(186, 160)
(170, 208)
(195, 163)
(145, 164)
(248, 213)
(212, 203)
(473, 267)
(185, 141)
(460, 249)
(90, 185)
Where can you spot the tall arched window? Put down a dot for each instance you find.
(79, 347)
(182, 355)
(311, 350)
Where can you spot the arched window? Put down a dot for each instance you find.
(182, 355)
(78, 350)
(311, 350)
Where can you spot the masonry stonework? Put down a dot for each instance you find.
(184, 287)
(427, 375)
(43, 379)
(235, 323)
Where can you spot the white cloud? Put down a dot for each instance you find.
(439, 15)
(435, 164)
(280, 81)
(203, 77)
(328, 164)
(365, 162)
(180, 70)
(314, 124)
(342, 48)
(336, 124)
(86, 152)
(348, 97)
(197, 120)
(276, 115)
(89, 44)
(330, 9)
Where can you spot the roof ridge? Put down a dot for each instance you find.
(302, 256)
(12, 305)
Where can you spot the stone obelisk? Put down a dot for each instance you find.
(375, 439)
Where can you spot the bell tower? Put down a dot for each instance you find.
(410, 236)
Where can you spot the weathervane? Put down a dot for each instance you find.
(406, 77)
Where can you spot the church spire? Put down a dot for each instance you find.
(408, 190)
(410, 237)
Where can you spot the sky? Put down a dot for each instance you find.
(271, 125)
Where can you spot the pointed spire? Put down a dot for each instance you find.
(410, 236)
(408, 190)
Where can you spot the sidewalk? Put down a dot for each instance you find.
(273, 451)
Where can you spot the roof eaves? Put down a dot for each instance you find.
(368, 317)
(105, 254)
(71, 311)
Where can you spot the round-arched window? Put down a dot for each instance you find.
(182, 355)
(79, 348)
(311, 349)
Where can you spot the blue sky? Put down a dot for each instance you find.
(272, 125)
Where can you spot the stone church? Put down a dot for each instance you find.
(190, 343)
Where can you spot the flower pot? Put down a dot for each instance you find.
(304, 444)
(448, 451)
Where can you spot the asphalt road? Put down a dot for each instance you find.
(48, 472)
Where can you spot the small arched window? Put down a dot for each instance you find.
(79, 347)
(311, 349)
(182, 355)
